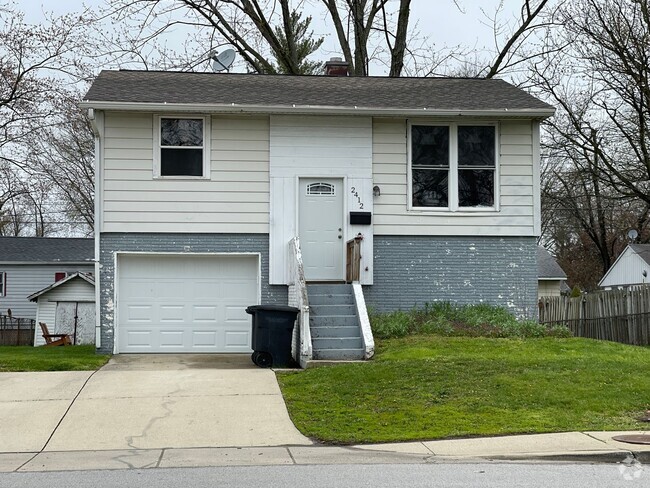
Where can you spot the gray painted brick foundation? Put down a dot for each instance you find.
(408, 270)
(413, 270)
(112, 242)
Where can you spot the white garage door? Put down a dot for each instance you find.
(170, 303)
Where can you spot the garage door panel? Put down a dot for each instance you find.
(236, 339)
(204, 339)
(171, 337)
(236, 313)
(235, 289)
(206, 290)
(139, 313)
(172, 313)
(185, 303)
(169, 289)
(138, 289)
(202, 313)
(139, 338)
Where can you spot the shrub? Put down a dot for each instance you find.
(392, 324)
(446, 319)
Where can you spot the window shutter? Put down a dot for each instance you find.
(3, 291)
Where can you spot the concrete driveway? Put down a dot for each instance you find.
(146, 402)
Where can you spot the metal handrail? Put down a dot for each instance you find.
(298, 298)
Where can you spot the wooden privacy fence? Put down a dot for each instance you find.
(16, 331)
(611, 315)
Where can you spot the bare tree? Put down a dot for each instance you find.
(259, 30)
(39, 68)
(12, 190)
(597, 181)
(585, 221)
(514, 51)
(601, 86)
(35, 62)
(63, 155)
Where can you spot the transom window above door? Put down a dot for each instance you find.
(181, 148)
(321, 189)
(453, 167)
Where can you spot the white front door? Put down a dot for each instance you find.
(321, 228)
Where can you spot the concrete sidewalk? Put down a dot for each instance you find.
(590, 447)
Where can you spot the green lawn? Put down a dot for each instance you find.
(69, 358)
(432, 387)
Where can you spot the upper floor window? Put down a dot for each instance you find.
(453, 166)
(182, 147)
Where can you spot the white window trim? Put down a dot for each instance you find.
(453, 206)
(207, 136)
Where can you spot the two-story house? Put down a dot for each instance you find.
(205, 179)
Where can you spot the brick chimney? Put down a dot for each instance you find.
(336, 67)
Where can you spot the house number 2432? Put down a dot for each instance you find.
(354, 191)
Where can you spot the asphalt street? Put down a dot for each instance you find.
(448, 475)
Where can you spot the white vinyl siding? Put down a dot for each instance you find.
(75, 290)
(627, 270)
(318, 147)
(25, 279)
(516, 214)
(234, 200)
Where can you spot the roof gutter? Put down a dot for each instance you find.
(539, 113)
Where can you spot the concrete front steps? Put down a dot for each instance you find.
(334, 323)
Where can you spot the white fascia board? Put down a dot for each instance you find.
(312, 110)
(559, 278)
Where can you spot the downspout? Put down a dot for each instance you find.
(97, 121)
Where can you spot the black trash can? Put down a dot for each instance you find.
(271, 334)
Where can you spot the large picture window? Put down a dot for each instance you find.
(182, 147)
(453, 166)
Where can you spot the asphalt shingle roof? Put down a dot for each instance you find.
(643, 250)
(314, 91)
(46, 249)
(547, 266)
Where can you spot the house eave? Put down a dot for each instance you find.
(314, 110)
(87, 279)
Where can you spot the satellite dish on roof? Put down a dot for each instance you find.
(632, 234)
(222, 61)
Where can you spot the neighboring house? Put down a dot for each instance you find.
(67, 307)
(203, 179)
(28, 264)
(551, 277)
(630, 268)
